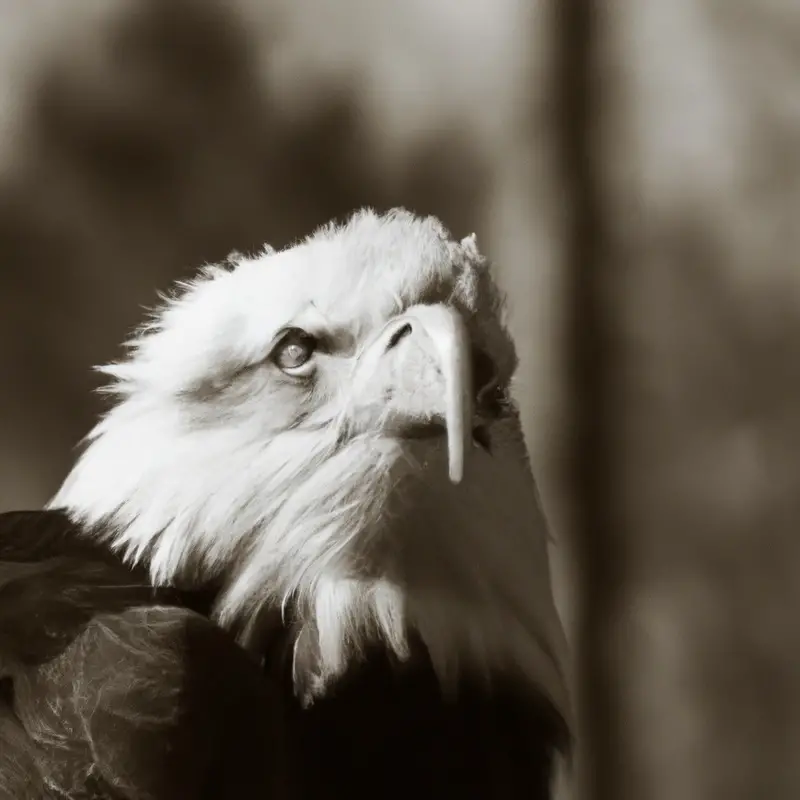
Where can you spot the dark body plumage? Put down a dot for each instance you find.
(112, 689)
(115, 690)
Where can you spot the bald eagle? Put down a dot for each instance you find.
(302, 555)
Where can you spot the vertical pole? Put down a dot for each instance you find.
(588, 363)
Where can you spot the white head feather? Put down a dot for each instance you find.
(215, 464)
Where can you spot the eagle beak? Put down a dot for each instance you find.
(392, 365)
(449, 339)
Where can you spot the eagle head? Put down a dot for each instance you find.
(331, 426)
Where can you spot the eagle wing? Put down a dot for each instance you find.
(113, 690)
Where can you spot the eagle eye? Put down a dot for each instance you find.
(294, 351)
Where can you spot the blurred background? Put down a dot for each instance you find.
(633, 170)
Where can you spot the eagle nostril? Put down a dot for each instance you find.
(400, 334)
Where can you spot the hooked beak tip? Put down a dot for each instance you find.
(447, 331)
